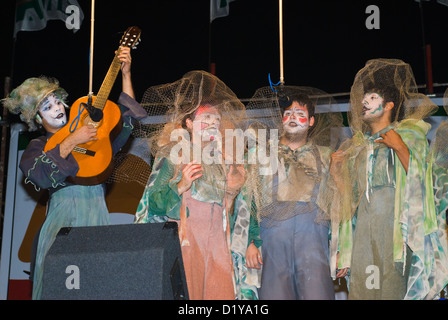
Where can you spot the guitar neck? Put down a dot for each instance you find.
(108, 83)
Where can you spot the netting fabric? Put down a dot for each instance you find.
(439, 143)
(375, 86)
(284, 179)
(394, 81)
(438, 161)
(183, 126)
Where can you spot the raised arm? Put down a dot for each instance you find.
(126, 59)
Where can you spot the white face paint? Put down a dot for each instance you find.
(296, 119)
(373, 106)
(206, 123)
(52, 112)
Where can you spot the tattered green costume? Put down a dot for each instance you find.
(395, 227)
(161, 201)
(438, 163)
(69, 205)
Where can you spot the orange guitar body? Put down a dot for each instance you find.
(95, 158)
(96, 166)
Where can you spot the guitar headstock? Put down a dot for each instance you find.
(131, 37)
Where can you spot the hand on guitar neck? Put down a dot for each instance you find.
(88, 133)
(125, 57)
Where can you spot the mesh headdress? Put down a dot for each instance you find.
(177, 101)
(267, 106)
(25, 99)
(439, 143)
(181, 99)
(167, 106)
(296, 175)
(394, 81)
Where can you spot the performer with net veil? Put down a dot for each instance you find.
(381, 203)
(197, 183)
(294, 230)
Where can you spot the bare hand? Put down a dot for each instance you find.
(190, 173)
(253, 257)
(341, 272)
(126, 60)
(236, 177)
(81, 135)
(393, 140)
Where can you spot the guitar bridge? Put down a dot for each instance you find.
(84, 151)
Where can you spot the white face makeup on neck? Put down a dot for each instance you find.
(52, 112)
(206, 123)
(296, 119)
(373, 106)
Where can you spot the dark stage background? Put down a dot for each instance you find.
(325, 43)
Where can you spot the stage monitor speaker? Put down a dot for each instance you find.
(117, 262)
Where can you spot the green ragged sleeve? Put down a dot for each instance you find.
(414, 212)
(160, 199)
(416, 218)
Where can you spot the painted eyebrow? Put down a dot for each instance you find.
(45, 104)
(207, 116)
(300, 111)
(208, 113)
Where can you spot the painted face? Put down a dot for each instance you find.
(296, 119)
(372, 106)
(52, 112)
(207, 123)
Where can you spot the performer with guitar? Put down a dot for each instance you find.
(40, 102)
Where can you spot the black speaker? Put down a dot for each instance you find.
(116, 262)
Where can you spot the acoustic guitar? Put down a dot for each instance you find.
(95, 157)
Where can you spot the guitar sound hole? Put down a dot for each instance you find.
(88, 121)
